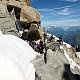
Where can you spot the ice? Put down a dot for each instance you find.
(68, 45)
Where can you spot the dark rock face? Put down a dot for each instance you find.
(31, 35)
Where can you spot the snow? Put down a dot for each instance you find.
(48, 35)
(72, 63)
(61, 47)
(78, 54)
(56, 38)
(37, 42)
(1, 32)
(15, 59)
(68, 45)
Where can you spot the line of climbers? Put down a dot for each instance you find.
(40, 47)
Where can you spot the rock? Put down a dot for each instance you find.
(7, 26)
(57, 67)
(15, 3)
(72, 53)
(28, 2)
(33, 33)
(41, 32)
(3, 10)
(29, 14)
(55, 46)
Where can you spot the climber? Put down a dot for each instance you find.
(41, 46)
(60, 40)
(37, 47)
(34, 45)
(45, 53)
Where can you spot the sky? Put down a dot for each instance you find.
(58, 12)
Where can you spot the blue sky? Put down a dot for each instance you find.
(58, 12)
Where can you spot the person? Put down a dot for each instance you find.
(45, 53)
(38, 47)
(34, 45)
(41, 47)
(30, 43)
(44, 37)
(51, 38)
(60, 40)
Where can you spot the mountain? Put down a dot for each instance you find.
(61, 62)
(70, 34)
(17, 18)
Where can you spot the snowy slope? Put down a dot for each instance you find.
(78, 54)
(15, 59)
(72, 63)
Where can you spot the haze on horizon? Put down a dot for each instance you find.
(58, 12)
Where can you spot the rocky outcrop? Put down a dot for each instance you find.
(61, 63)
(27, 16)
(57, 67)
(74, 60)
